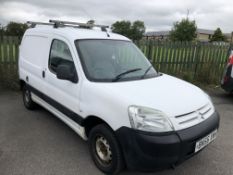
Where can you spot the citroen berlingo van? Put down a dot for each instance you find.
(103, 87)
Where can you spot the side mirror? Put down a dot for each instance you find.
(67, 72)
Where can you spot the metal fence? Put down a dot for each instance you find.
(192, 61)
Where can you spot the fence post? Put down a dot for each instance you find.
(150, 50)
(196, 58)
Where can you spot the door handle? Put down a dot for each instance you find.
(43, 74)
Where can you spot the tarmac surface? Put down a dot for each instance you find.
(37, 143)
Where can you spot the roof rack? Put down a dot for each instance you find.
(58, 23)
(33, 23)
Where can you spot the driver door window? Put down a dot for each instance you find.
(59, 54)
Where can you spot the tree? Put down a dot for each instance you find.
(15, 29)
(137, 30)
(122, 27)
(185, 30)
(2, 31)
(218, 36)
(133, 30)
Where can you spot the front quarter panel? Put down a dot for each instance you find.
(102, 103)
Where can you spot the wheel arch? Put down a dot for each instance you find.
(92, 121)
(21, 84)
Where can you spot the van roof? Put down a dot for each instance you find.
(74, 33)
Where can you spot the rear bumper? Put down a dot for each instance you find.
(149, 151)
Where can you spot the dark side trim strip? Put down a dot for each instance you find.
(69, 113)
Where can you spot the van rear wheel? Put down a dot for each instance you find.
(27, 100)
(105, 150)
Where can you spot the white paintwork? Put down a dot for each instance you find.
(62, 91)
(33, 49)
(74, 33)
(108, 101)
(77, 128)
(165, 93)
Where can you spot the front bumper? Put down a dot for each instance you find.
(152, 151)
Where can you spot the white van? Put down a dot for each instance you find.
(102, 86)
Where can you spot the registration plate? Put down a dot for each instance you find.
(205, 141)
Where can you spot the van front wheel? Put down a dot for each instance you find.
(27, 100)
(105, 150)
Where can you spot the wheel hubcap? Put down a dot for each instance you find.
(103, 150)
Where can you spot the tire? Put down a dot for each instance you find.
(105, 150)
(27, 100)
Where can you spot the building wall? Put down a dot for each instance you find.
(228, 37)
(200, 37)
(203, 37)
(164, 37)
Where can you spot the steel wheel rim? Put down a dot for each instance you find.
(103, 150)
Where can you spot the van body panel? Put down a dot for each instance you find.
(165, 93)
(62, 91)
(31, 61)
(71, 123)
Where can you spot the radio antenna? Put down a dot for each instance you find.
(86, 13)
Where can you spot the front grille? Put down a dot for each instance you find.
(192, 118)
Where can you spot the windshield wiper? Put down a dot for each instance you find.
(118, 77)
(147, 70)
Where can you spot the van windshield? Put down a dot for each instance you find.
(113, 60)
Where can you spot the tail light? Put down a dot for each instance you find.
(230, 60)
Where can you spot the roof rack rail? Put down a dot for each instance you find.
(58, 23)
(33, 23)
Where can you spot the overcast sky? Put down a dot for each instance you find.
(157, 14)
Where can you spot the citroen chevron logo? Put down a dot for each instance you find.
(201, 116)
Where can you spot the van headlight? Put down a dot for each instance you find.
(147, 119)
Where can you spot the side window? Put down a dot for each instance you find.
(59, 54)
